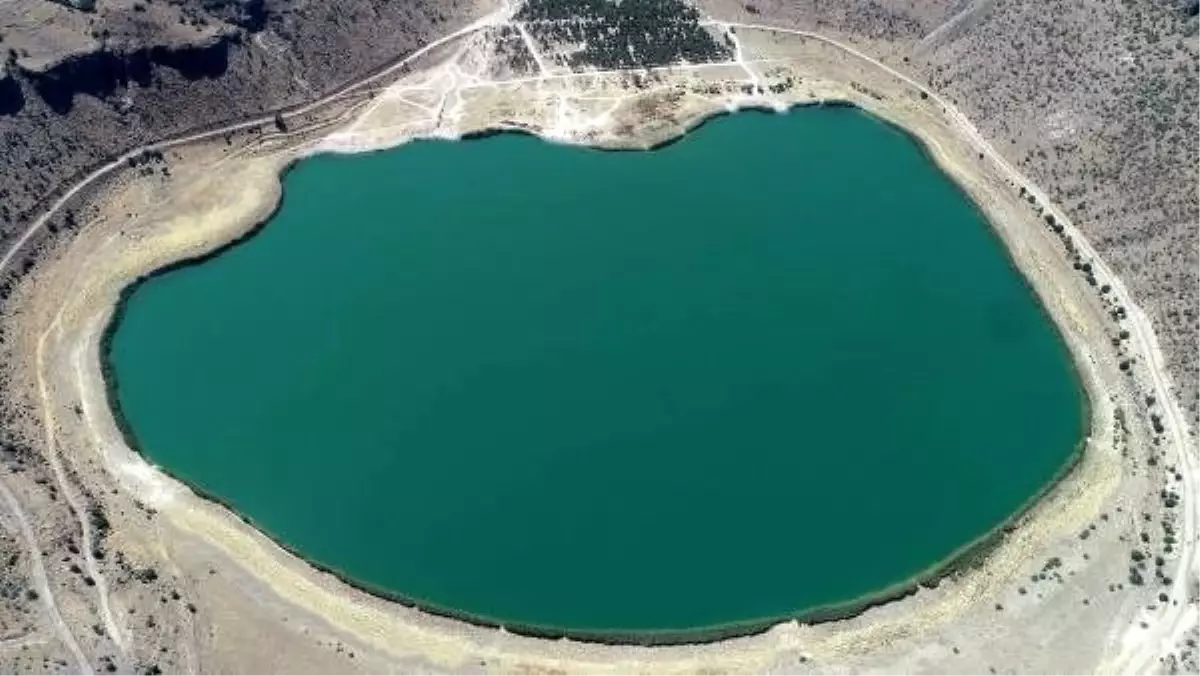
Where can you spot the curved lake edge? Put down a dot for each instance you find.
(968, 555)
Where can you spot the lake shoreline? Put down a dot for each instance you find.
(957, 562)
(1049, 520)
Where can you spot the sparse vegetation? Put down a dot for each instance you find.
(608, 34)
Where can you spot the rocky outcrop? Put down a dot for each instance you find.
(12, 99)
(104, 72)
(196, 62)
(92, 85)
(248, 14)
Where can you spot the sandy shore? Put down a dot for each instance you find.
(257, 608)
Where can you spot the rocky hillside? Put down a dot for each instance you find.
(78, 86)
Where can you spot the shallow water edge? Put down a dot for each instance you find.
(960, 560)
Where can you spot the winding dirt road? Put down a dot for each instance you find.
(37, 570)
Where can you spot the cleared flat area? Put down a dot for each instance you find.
(590, 391)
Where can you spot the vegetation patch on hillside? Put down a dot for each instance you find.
(622, 34)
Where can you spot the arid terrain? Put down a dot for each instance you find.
(1072, 124)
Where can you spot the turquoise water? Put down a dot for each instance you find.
(779, 364)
